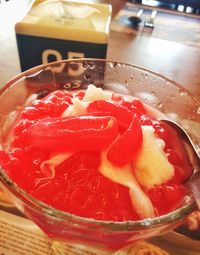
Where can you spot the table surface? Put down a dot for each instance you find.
(160, 50)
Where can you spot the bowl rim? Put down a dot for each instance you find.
(113, 61)
(178, 214)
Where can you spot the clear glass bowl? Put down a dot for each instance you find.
(152, 88)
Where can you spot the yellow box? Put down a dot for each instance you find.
(60, 29)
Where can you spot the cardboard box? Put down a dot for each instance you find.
(60, 29)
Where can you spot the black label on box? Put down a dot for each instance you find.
(34, 50)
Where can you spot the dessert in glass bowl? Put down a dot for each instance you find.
(84, 155)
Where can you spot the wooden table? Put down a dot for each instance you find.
(171, 58)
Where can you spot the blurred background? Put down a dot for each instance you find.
(187, 6)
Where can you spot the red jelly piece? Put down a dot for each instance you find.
(167, 197)
(127, 146)
(123, 115)
(74, 133)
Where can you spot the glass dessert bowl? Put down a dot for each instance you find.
(154, 90)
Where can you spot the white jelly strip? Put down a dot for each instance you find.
(48, 166)
(124, 176)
